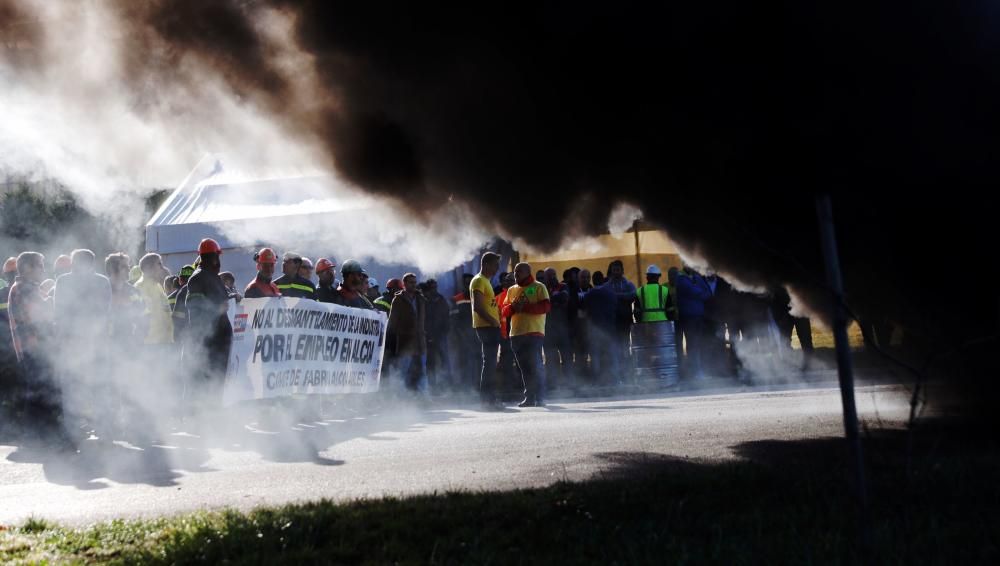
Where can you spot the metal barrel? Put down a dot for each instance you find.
(654, 350)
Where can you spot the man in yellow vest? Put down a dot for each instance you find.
(652, 298)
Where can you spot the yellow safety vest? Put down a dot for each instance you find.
(653, 298)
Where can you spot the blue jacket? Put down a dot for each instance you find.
(692, 292)
(600, 304)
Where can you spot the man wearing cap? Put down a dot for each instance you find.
(326, 271)
(262, 286)
(384, 302)
(373, 292)
(291, 283)
(652, 299)
(351, 290)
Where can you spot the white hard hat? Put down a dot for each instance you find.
(653, 270)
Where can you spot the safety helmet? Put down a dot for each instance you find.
(653, 270)
(351, 266)
(187, 271)
(307, 263)
(393, 285)
(265, 255)
(209, 246)
(323, 264)
(291, 256)
(10, 266)
(372, 282)
(63, 263)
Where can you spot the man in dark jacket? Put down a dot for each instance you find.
(575, 322)
(438, 324)
(558, 353)
(326, 271)
(692, 294)
(291, 283)
(82, 303)
(407, 323)
(600, 305)
(466, 349)
(30, 316)
(208, 304)
(624, 291)
(351, 292)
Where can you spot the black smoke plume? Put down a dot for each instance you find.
(722, 121)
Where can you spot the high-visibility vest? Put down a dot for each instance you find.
(653, 298)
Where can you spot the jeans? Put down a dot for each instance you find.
(558, 357)
(605, 356)
(438, 362)
(413, 370)
(509, 375)
(528, 353)
(693, 329)
(489, 385)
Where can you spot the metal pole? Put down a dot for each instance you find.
(845, 370)
(638, 266)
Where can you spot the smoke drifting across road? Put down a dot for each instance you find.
(719, 121)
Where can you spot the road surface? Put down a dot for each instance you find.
(400, 449)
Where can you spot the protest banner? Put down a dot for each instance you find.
(284, 346)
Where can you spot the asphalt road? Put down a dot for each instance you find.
(399, 448)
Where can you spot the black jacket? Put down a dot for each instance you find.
(296, 287)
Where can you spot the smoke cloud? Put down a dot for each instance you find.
(719, 122)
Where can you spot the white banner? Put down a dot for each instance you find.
(284, 346)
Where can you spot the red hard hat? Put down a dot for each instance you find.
(63, 262)
(322, 264)
(266, 255)
(10, 266)
(209, 246)
(394, 284)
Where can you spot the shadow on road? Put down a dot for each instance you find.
(286, 431)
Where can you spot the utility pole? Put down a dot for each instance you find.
(638, 253)
(845, 369)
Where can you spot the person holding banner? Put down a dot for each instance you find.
(262, 286)
(351, 291)
(208, 305)
(326, 271)
(291, 283)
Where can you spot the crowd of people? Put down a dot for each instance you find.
(86, 346)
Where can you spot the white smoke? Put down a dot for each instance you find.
(80, 117)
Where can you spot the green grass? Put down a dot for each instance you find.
(787, 502)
